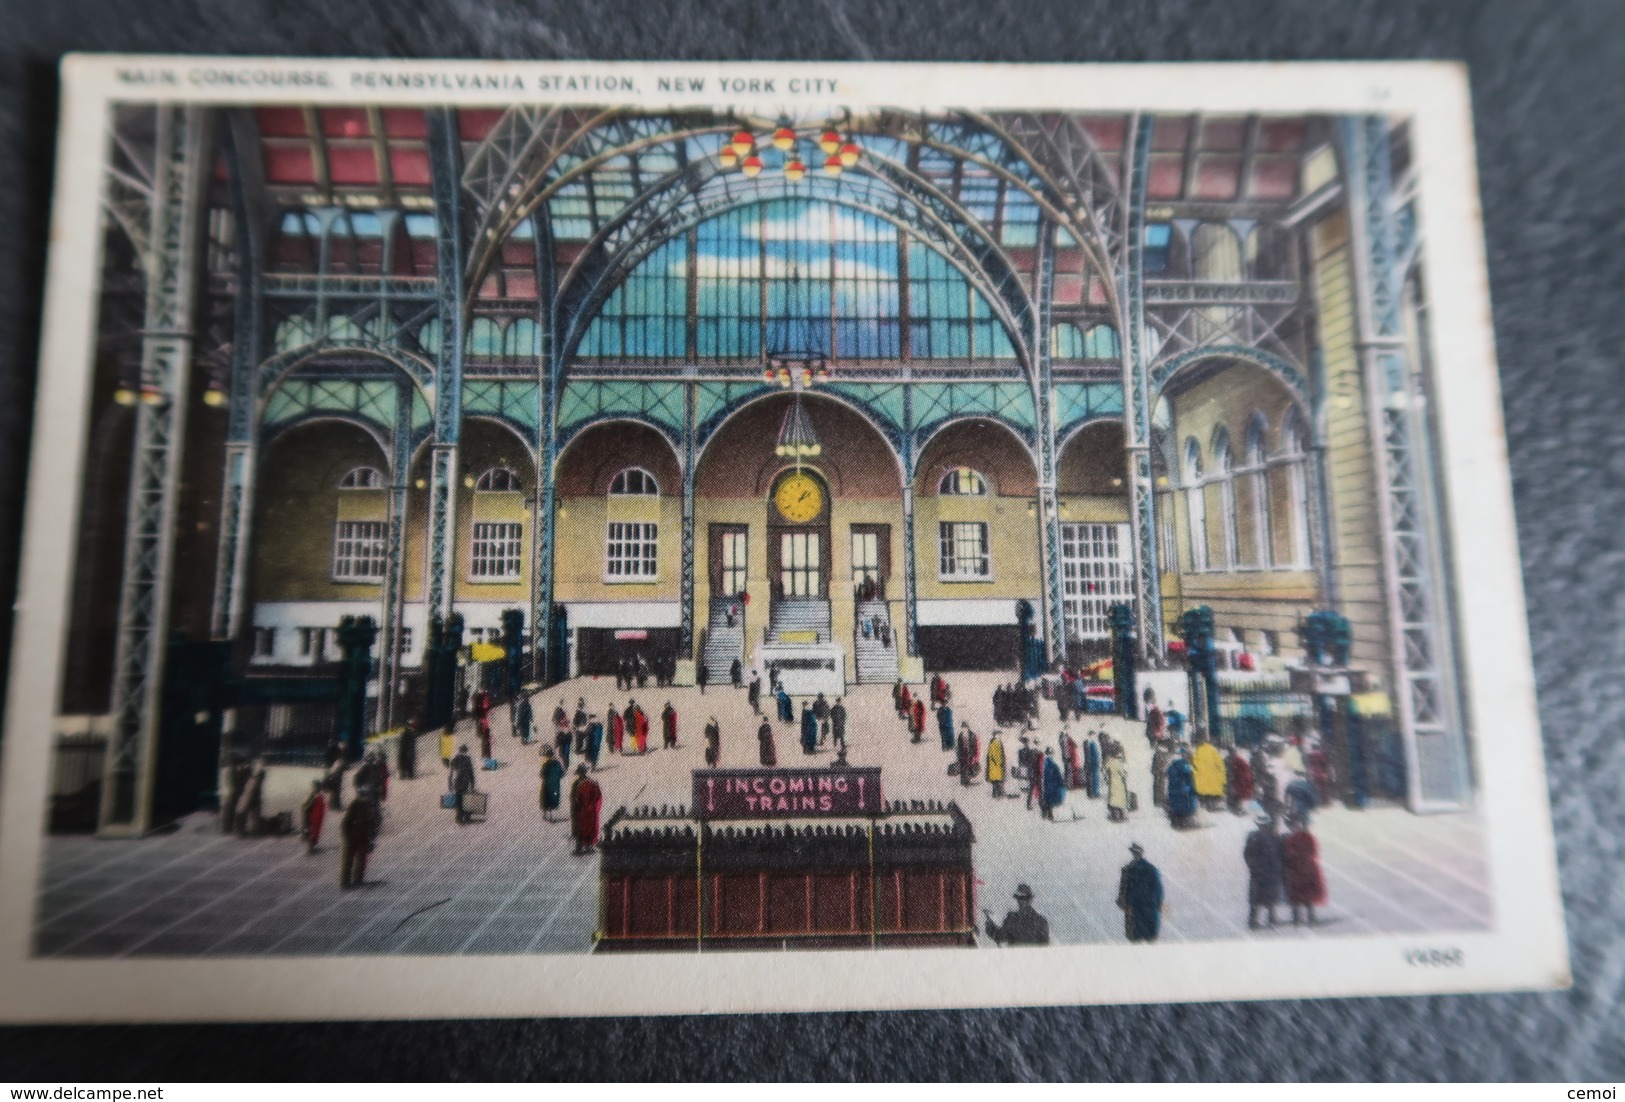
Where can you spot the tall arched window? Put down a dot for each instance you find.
(1295, 452)
(962, 482)
(1100, 343)
(484, 337)
(1195, 504)
(1065, 341)
(1224, 475)
(498, 480)
(634, 482)
(1255, 493)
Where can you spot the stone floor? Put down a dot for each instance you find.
(511, 884)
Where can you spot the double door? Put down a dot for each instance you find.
(800, 564)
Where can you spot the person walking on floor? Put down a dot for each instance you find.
(1160, 761)
(837, 723)
(1054, 786)
(1238, 780)
(406, 752)
(1140, 896)
(1181, 795)
(736, 673)
(821, 714)
(359, 827)
(917, 720)
(1091, 766)
(1262, 853)
(809, 729)
(552, 783)
(1022, 926)
(461, 780)
(1300, 870)
(563, 740)
(668, 726)
(754, 694)
(586, 801)
(786, 713)
(1117, 794)
(1210, 774)
(702, 674)
(995, 764)
(713, 743)
(312, 813)
(524, 717)
(766, 752)
(595, 740)
(964, 755)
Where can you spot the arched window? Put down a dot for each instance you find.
(521, 340)
(484, 337)
(1224, 474)
(1295, 452)
(1100, 343)
(634, 482)
(962, 482)
(498, 480)
(1256, 493)
(1065, 341)
(1195, 504)
(362, 478)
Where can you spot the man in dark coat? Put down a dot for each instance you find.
(965, 753)
(1022, 926)
(563, 739)
(755, 692)
(595, 740)
(668, 726)
(462, 779)
(945, 727)
(406, 752)
(359, 829)
(736, 673)
(1091, 767)
(552, 783)
(821, 714)
(524, 717)
(766, 752)
(1264, 871)
(702, 674)
(837, 723)
(1139, 896)
(786, 714)
(1182, 801)
(809, 729)
(713, 743)
(1054, 786)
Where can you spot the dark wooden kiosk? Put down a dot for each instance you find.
(786, 859)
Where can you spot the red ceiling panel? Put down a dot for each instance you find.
(403, 122)
(1167, 178)
(1224, 135)
(1281, 135)
(1108, 131)
(410, 165)
(521, 283)
(352, 163)
(1069, 289)
(1170, 133)
(1275, 178)
(289, 163)
(345, 122)
(475, 123)
(281, 122)
(1217, 177)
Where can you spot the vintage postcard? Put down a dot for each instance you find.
(563, 538)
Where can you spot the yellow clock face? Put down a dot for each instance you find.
(800, 498)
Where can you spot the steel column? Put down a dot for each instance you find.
(911, 611)
(180, 168)
(1137, 399)
(1417, 586)
(445, 154)
(1049, 513)
(685, 637)
(394, 594)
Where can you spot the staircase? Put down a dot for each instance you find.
(799, 619)
(875, 662)
(723, 644)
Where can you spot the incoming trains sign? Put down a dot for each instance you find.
(769, 793)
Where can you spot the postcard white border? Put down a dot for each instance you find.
(1527, 950)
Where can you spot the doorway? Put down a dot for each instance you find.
(800, 569)
(730, 559)
(871, 561)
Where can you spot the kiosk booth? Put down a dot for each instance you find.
(786, 859)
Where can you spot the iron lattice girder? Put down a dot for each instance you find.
(129, 182)
(1137, 391)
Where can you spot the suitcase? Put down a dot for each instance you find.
(491, 763)
(474, 803)
(448, 800)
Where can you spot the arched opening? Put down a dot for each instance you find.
(1097, 548)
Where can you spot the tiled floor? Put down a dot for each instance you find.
(512, 885)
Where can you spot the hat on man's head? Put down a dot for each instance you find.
(1136, 849)
(1023, 892)
(1265, 821)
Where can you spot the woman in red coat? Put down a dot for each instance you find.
(617, 731)
(917, 725)
(1300, 864)
(586, 800)
(1238, 780)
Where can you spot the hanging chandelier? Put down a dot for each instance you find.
(790, 151)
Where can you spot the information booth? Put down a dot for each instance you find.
(786, 859)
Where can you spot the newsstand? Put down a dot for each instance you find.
(786, 859)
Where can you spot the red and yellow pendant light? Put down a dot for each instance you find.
(744, 151)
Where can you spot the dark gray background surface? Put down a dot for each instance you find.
(1549, 97)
